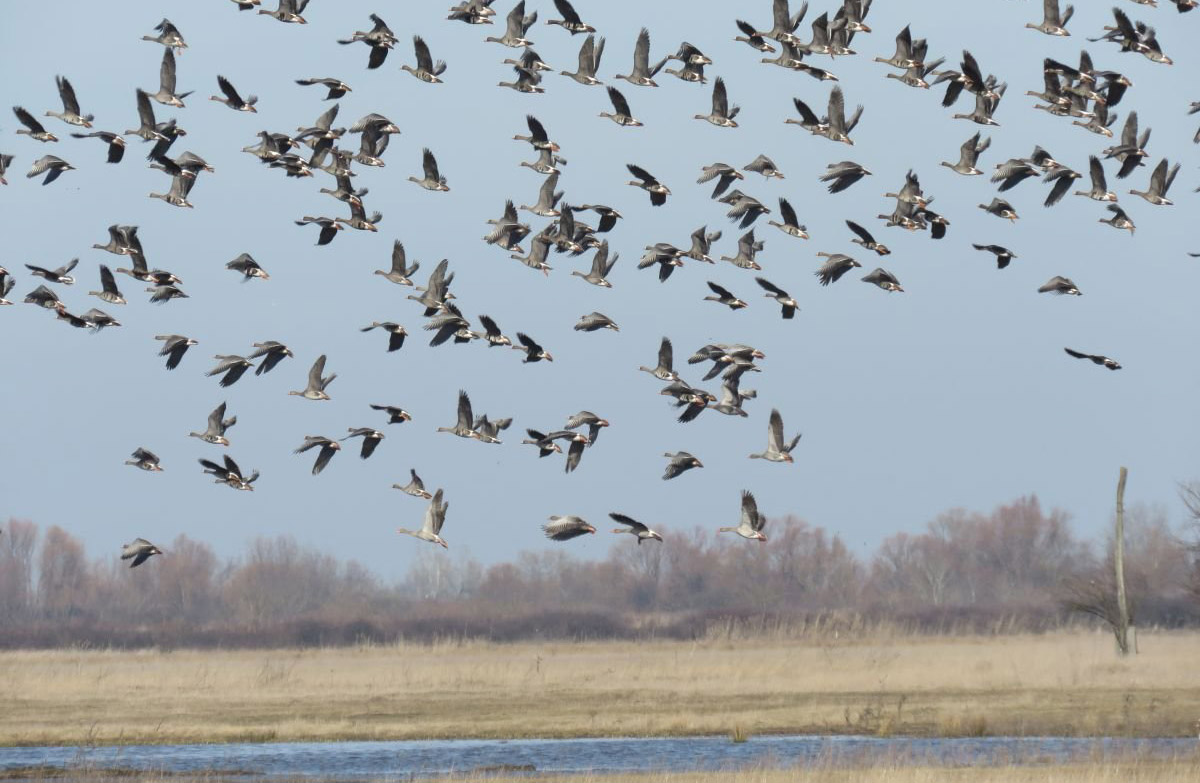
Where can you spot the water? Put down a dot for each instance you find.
(398, 761)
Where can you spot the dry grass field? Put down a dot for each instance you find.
(1056, 684)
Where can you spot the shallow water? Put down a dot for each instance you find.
(398, 761)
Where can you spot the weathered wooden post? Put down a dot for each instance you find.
(1123, 627)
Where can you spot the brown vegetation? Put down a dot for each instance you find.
(808, 680)
(1015, 569)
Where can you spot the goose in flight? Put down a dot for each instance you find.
(658, 191)
(139, 550)
(59, 275)
(328, 447)
(788, 304)
(595, 321)
(884, 279)
(174, 347)
(1053, 22)
(168, 35)
(166, 94)
(968, 156)
(643, 73)
(842, 175)
(232, 99)
(315, 390)
(1102, 361)
(463, 427)
(233, 367)
(593, 422)
(288, 11)
(426, 70)
(336, 87)
(679, 463)
(379, 38)
(751, 523)
(432, 179)
(435, 518)
(533, 351)
(791, 224)
(570, 19)
(395, 414)
(414, 487)
(724, 296)
(144, 459)
(621, 113)
(564, 528)
(371, 438)
(1003, 254)
(633, 527)
(864, 238)
(517, 24)
(589, 62)
(1160, 183)
(777, 450)
(229, 474)
(50, 165)
(664, 370)
(396, 333)
(601, 266)
(272, 352)
(722, 114)
(70, 113)
(217, 424)
(400, 273)
(249, 268)
(1060, 285)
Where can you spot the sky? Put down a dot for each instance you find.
(956, 393)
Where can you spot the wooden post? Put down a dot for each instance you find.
(1119, 563)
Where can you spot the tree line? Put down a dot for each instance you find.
(1016, 568)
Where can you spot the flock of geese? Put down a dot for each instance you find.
(1081, 94)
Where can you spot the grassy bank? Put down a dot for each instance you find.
(1056, 684)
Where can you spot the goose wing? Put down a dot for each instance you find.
(775, 431)
(618, 101)
(424, 58)
(862, 233)
(465, 419)
(314, 373)
(634, 525)
(230, 91)
(67, 93)
(750, 517)
(429, 163)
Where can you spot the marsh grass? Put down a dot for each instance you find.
(1064, 683)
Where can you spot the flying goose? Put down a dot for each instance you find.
(399, 273)
(145, 460)
(414, 487)
(181, 186)
(1060, 285)
(722, 115)
(395, 414)
(161, 294)
(174, 347)
(1160, 183)
(229, 473)
(1102, 361)
(5, 162)
(217, 424)
(139, 550)
(765, 166)
(1003, 255)
(537, 137)
(884, 279)
(679, 463)
(435, 518)
(589, 62)
(635, 528)
(1001, 209)
(116, 145)
(748, 248)
(1053, 22)
(43, 297)
(315, 390)
(777, 449)
(575, 452)
(396, 333)
(50, 165)
(620, 114)
(790, 224)
(724, 296)
(248, 267)
(726, 173)
(658, 191)
(545, 442)
(968, 156)
(864, 238)
(166, 94)
(1099, 191)
(595, 321)
(751, 524)
(59, 275)
(517, 24)
(426, 70)
(70, 113)
(841, 176)
(836, 266)
(433, 180)
(643, 74)
(288, 11)
(232, 99)
(591, 421)
(601, 266)
(272, 352)
(548, 198)
(664, 371)
(533, 351)
(371, 438)
(463, 428)
(570, 19)
(693, 64)
(168, 35)
(379, 38)
(233, 367)
(788, 304)
(751, 37)
(328, 449)
(336, 87)
(702, 241)
(1119, 219)
(564, 528)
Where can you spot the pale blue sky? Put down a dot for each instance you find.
(956, 393)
